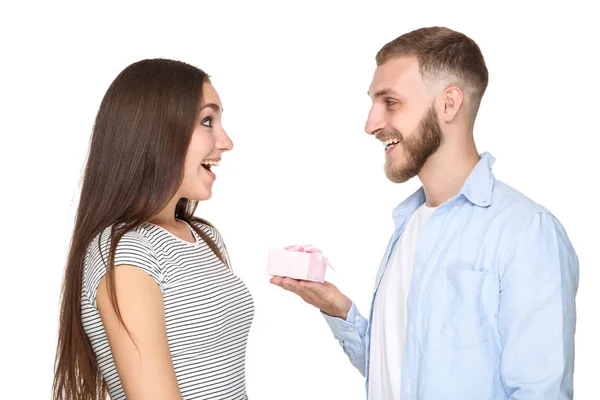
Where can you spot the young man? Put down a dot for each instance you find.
(475, 295)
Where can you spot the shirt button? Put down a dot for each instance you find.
(455, 208)
(357, 318)
(352, 329)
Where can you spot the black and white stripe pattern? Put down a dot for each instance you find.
(208, 310)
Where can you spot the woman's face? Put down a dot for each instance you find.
(209, 142)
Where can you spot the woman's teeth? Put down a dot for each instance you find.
(211, 163)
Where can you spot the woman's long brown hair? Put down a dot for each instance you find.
(134, 168)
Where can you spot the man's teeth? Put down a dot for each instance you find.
(211, 163)
(390, 142)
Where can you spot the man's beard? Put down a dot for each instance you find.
(417, 149)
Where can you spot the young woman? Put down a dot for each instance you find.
(150, 306)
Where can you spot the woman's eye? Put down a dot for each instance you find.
(207, 122)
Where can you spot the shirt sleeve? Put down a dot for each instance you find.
(538, 283)
(133, 249)
(351, 334)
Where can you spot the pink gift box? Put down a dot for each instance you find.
(298, 262)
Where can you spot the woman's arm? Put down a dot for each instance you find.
(144, 364)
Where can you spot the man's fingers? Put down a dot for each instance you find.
(276, 280)
(314, 293)
(283, 282)
(295, 283)
(287, 284)
(311, 285)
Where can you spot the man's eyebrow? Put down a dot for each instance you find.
(385, 92)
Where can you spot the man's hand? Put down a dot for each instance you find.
(325, 296)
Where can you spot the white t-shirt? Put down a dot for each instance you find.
(389, 321)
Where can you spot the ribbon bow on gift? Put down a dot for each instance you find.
(309, 248)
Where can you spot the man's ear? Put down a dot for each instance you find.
(453, 99)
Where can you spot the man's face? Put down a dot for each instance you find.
(403, 117)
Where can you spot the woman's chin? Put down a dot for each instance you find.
(201, 195)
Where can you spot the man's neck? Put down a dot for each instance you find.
(446, 171)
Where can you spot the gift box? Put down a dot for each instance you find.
(298, 262)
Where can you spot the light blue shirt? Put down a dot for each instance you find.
(491, 305)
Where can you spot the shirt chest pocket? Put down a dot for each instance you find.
(455, 306)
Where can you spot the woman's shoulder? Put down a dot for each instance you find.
(137, 236)
(134, 241)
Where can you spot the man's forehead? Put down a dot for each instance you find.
(395, 74)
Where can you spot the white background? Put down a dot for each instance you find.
(293, 78)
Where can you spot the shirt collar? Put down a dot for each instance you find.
(477, 188)
(479, 185)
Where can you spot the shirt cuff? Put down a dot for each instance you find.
(348, 329)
